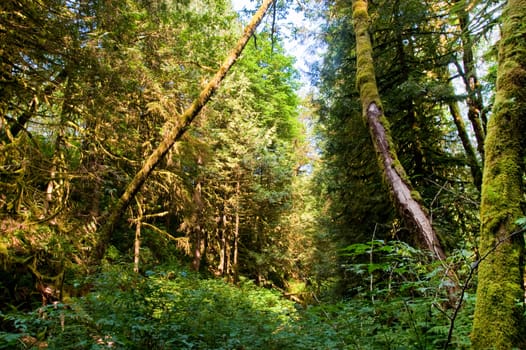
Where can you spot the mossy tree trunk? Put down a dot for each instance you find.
(183, 124)
(405, 198)
(499, 311)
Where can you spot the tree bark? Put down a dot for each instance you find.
(222, 268)
(403, 195)
(408, 207)
(182, 126)
(137, 242)
(476, 113)
(197, 232)
(236, 235)
(499, 311)
(476, 170)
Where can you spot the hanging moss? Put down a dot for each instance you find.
(499, 313)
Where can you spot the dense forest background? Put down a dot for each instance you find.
(273, 219)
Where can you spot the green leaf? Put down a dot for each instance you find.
(521, 222)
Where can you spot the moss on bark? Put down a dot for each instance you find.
(499, 311)
(183, 124)
(405, 198)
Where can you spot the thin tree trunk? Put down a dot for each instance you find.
(228, 248)
(197, 230)
(476, 171)
(137, 243)
(137, 247)
(224, 248)
(499, 311)
(221, 237)
(476, 113)
(185, 120)
(403, 195)
(411, 116)
(236, 235)
(197, 248)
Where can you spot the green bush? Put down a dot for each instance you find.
(172, 308)
(167, 309)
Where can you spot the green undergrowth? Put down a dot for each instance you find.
(173, 308)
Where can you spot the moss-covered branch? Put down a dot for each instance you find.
(182, 126)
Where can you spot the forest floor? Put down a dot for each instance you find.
(174, 308)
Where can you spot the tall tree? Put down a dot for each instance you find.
(394, 174)
(499, 312)
(95, 89)
(249, 168)
(178, 131)
(410, 56)
(475, 108)
(353, 198)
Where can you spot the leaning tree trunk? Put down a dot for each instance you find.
(183, 124)
(471, 156)
(476, 113)
(499, 310)
(402, 193)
